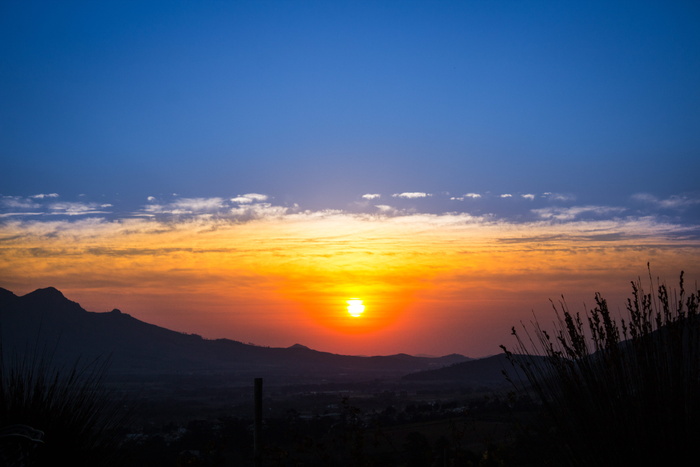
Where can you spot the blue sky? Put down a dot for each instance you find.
(244, 167)
(320, 102)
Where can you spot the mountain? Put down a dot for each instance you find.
(45, 321)
(486, 371)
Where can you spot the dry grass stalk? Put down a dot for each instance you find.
(617, 392)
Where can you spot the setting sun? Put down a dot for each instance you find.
(355, 307)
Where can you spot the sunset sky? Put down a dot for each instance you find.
(243, 169)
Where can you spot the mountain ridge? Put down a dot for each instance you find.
(136, 347)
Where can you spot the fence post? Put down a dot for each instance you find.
(257, 423)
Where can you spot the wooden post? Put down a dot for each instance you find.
(257, 423)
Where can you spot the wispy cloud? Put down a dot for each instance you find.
(18, 202)
(672, 202)
(465, 196)
(44, 195)
(241, 208)
(186, 206)
(78, 209)
(386, 210)
(198, 204)
(558, 196)
(19, 206)
(448, 225)
(574, 212)
(411, 195)
(548, 206)
(258, 211)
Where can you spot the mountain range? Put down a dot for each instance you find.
(45, 322)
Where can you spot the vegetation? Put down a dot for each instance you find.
(52, 416)
(616, 391)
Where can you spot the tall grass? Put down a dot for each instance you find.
(75, 417)
(620, 391)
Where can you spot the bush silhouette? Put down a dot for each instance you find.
(69, 413)
(615, 392)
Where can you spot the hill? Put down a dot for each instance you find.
(45, 320)
(486, 371)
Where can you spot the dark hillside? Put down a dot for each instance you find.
(48, 319)
(483, 371)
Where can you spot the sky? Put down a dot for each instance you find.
(242, 169)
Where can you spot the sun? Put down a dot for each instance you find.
(355, 307)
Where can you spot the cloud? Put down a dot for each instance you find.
(249, 198)
(300, 243)
(405, 232)
(199, 204)
(28, 207)
(386, 210)
(186, 206)
(78, 209)
(558, 196)
(672, 202)
(16, 214)
(411, 195)
(18, 202)
(255, 206)
(258, 211)
(571, 213)
(466, 195)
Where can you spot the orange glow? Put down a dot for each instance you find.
(278, 281)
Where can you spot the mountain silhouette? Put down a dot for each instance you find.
(488, 371)
(45, 321)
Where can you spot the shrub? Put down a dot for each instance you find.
(615, 392)
(72, 416)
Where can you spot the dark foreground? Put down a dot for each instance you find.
(362, 424)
